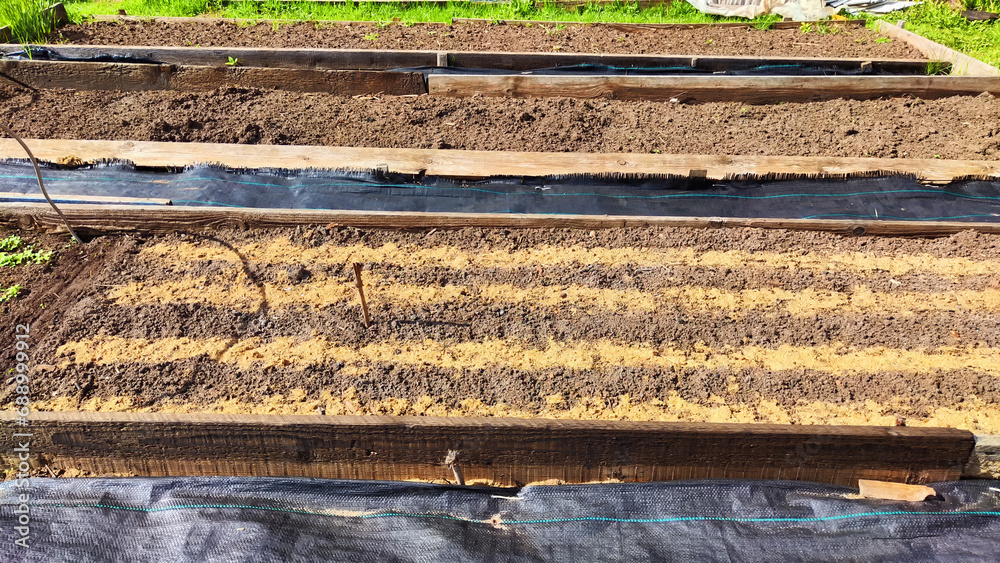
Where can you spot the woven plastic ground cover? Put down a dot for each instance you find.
(265, 519)
(876, 197)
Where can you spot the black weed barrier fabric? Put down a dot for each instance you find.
(261, 519)
(878, 197)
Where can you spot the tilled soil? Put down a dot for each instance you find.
(835, 41)
(959, 127)
(649, 324)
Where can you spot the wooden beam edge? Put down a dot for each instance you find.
(498, 450)
(417, 57)
(961, 64)
(984, 463)
(103, 219)
(483, 164)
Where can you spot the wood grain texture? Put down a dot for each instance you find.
(483, 164)
(92, 219)
(136, 77)
(316, 59)
(502, 451)
(694, 89)
(961, 64)
(648, 26)
(529, 61)
(371, 59)
(894, 491)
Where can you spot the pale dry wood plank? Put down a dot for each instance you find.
(894, 491)
(483, 164)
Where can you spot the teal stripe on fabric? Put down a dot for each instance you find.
(737, 520)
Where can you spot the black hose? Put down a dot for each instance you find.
(41, 184)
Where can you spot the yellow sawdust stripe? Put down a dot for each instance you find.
(280, 251)
(971, 414)
(238, 292)
(288, 351)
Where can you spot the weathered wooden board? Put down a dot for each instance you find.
(687, 89)
(615, 26)
(317, 59)
(529, 61)
(135, 77)
(961, 64)
(502, 451)
(648, 26)
(483, 164)
(372, 59)
(102, 219)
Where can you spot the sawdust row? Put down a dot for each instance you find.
(237, 292)
(286, 351)
(973, 415)
(284, 251)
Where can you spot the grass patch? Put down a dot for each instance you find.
(13, 252)
(621, 12)
(25, 19)
(941, 23)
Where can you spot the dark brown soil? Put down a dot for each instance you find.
(841, 41)
(960, 127)
(69, 301)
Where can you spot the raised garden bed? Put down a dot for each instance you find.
(840, 41)
(952, 128)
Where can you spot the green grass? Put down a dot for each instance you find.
(25, 19)
(13, 252)
(625, 12)
(939, 22)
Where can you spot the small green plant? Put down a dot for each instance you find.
(708, 42)
(806, 27)
(935, 68)
(824, 28)
(371, 36)
(882, 40)
(9, 293)
(13, 252)
(233, 62)
(10, 243)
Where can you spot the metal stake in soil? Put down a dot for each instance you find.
(361, 292)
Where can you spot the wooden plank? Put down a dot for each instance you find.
(238, 21)
(687, 89)
(58, 14)
(136, 77)
(104, 219)
(894, 491)
(961, 64)
(484, 164)
(985, 460)
(64, 198)
(371, 59)
(501, 451)
(319, 59)
(614, 26)
(649, 26)
(529, 61)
